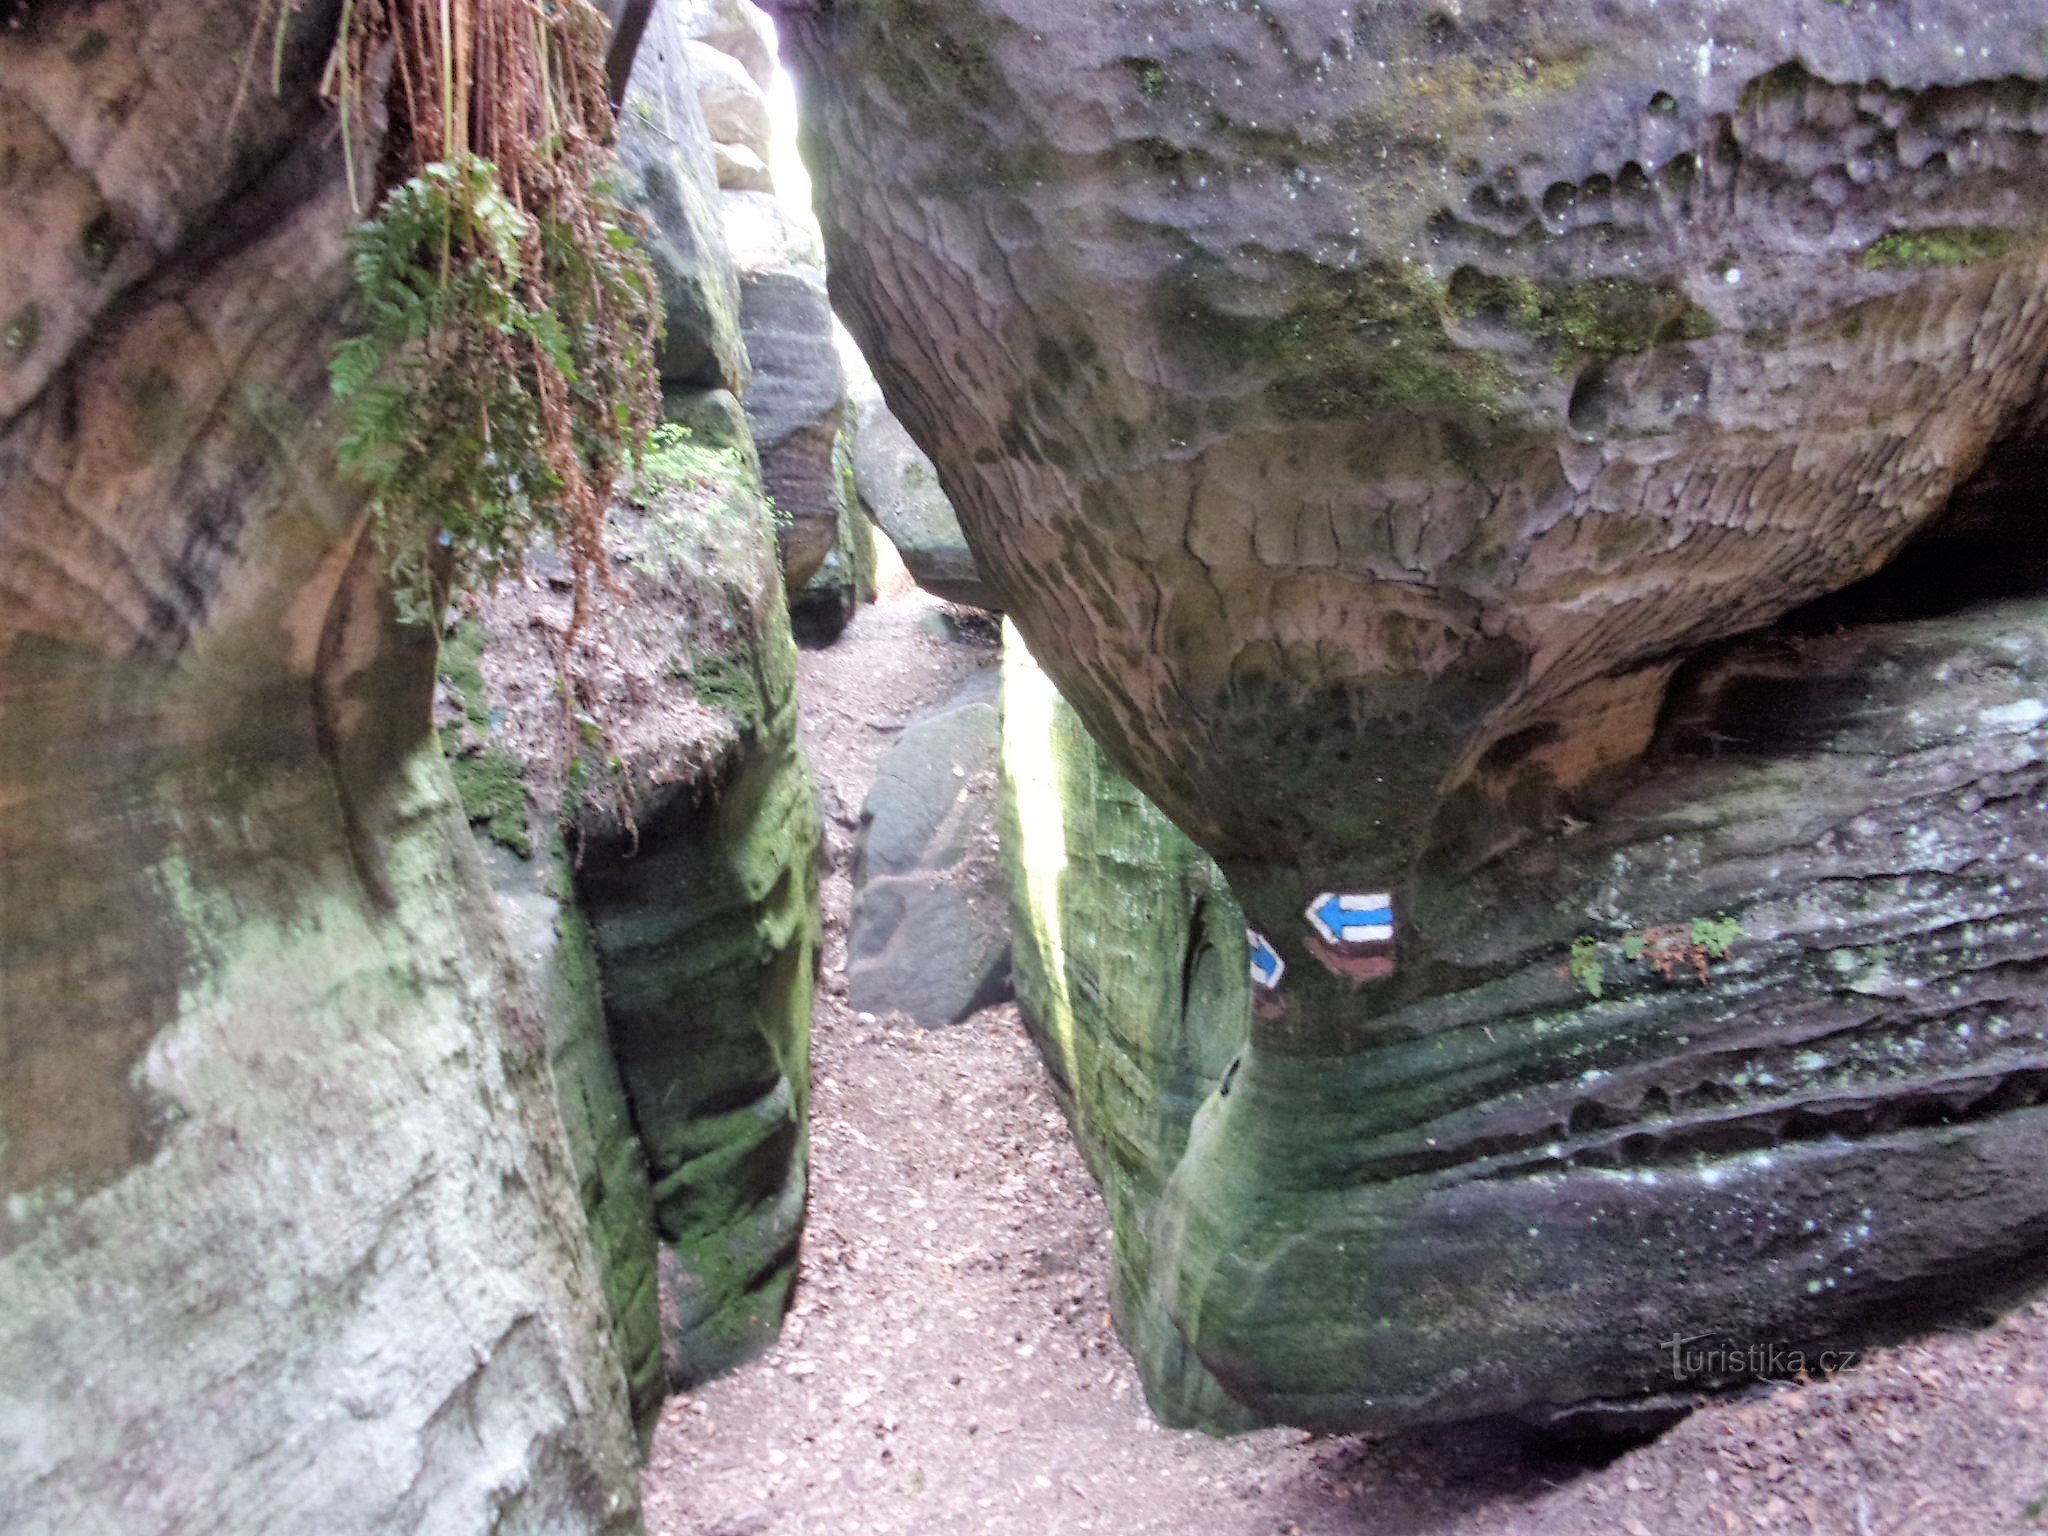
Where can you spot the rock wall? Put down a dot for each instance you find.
(1366, 414)
(1528, 1184)
(796, 405)
(897, 487)
(550, 938)
(820, 611)
(1128, 953)
(290, 1236)
(659, 837)
(671, 179)
(704, 909)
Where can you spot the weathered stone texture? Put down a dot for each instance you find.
(797, 403)
(669, 175)
(289, 1237)
(929, 934)
(1365, 414)
(826, 604)
(1320, 383)
(704, 912)
(1130, 965)
(900, 490)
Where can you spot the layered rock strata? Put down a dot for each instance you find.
(1365, 414)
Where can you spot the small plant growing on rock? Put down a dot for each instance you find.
(502, 376)
(1667, 949)
(1586, 967)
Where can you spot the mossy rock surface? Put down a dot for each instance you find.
(291, 1235)
(1367, 413)
(690, 916)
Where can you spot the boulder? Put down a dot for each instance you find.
(735, 27)
(1735, 1065)
(797, 401)
(694, 884)
(290, 1222)
(735, 108)
(1421, 382)
(820, 611)
(929, 934)
(900, 490)
(1376, 420)
(702, 894)
(741, 170)
(667, 174)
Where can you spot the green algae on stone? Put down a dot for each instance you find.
(1950, 246)
(1131, 969)
(551, 940)
(1598, 315)
(1350, 342)
(492, 784)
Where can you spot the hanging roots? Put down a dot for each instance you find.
(503, 374)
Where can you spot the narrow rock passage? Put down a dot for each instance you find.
(948, 1369)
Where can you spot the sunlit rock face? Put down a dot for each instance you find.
(288, 1237)
(1364, 413)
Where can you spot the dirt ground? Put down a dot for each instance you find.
(948, 1367)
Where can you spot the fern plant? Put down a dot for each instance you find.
(500, 378)
(445, 411)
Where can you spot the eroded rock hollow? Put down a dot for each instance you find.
(1379, 421)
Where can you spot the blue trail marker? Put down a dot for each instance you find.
(1345, 918)
(1267, 966)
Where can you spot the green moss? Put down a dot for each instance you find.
(936, 58)
(493, 794)
(1150, 75)
(461, 668)
(1603, 315)
(730, 683)
(1353, 342)
(1946, 246)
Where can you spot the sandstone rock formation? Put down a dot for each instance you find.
(929, 934)
(899, 489)
(738, 28)
(677, 812)
(674, 812)
(1128, 955)
(1365, 413)
(1601, 1135)
(735, 107)
(796, 403)
(821, 609)
(290, 1237)
(670, 177)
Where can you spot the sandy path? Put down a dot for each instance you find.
(948, 1369)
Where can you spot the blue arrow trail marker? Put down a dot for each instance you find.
(1345, 918)
(1267, 966)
